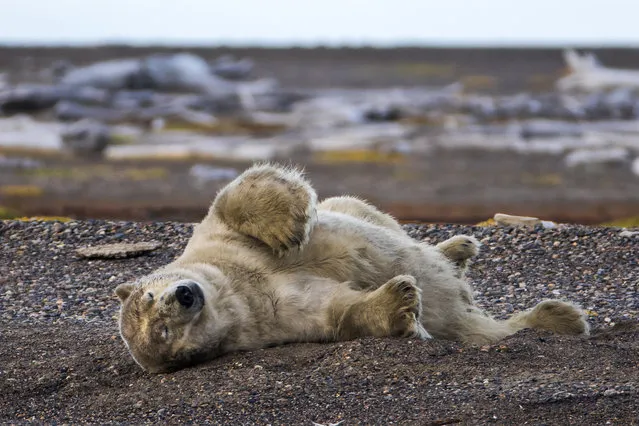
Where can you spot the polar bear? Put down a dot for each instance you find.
(269, 265)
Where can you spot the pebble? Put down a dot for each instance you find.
(43, 280)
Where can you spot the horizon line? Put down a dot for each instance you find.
(494, 44)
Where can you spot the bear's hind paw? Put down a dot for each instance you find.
(459, 248)
(406, 306)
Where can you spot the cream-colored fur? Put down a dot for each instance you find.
(268, 266)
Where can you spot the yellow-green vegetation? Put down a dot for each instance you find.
(75, 173)
(428, 120)
(358, 156)
(225, 126)
(149, 173)
(43, 218)
(541, 81)
(172, 157)
(21, 190)
(119, 139)
(479, 82)
(172, 126)
(85, 173)
(32, 152)
(425, 69)
(628, 222)
(489, 222)
(7, 213)
(547, 179)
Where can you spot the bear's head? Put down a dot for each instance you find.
(166, 322)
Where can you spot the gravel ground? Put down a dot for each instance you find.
(63, 361)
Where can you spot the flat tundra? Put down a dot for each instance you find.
(269, 265)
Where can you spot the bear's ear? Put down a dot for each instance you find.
(123, 291)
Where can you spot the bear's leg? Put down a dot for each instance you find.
(272, 204)
(361, 210)
(552, 315)
(460, 249)
(394, 309)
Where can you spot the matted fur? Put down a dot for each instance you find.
(268, 266)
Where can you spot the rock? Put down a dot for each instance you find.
(117, 250)
(381, 114)
(229, 68)
(18, 163)
(550, 129)
(180, 72)
(111, 75)
(204, 173)
(137, 99)
(328, 424)
(628, 234)
(366, 136)
(634, 167)
(67, 111)
(59, 69)
(596, 156)
(589, 75)
(184, 145)
(326, 113)
(24, 132)
(28, 99)
(37, 98)
(86, 138)
(510, 220)
(71, 111)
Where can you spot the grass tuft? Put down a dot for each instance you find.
(489, 222)
(44, 218)
(21, 190)
(628, 222)
(358, 156)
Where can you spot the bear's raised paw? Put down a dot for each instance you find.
(274, 205)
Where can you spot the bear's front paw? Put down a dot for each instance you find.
(272, 204)
(289, 234)
(459, 248)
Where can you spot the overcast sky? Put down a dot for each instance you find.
(304, 22)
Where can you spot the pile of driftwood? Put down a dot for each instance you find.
(594, 108)
(131, 83)
(180, 87)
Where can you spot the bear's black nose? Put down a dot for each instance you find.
(184, 296)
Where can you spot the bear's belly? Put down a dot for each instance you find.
(344, 248)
